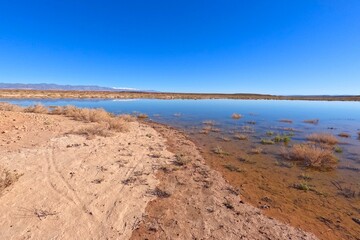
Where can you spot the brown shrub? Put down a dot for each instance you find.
(142, 116)
(312, 155)
(38, 108)
(240, 137)
(325, 138)
(97, 115)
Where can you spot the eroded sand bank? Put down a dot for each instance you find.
(129, 184)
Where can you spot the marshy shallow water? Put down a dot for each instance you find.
(324, 202)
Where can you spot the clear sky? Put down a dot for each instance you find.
(276, 47)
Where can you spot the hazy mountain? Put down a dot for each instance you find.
(47, 86)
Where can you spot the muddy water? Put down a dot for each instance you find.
(266, 180)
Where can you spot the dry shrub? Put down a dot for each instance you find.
(57, 110)
(325, 138)
(312, 155)
(128, 117)
(38, 108)
(98, 115)
(118, 124)
(95, 130)
(7, 178)
(10, 107)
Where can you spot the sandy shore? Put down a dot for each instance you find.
(147, 183)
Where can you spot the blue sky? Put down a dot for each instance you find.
(276, 47)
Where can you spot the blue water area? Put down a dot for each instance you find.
(333, 115)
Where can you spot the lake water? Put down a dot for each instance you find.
(266, 176)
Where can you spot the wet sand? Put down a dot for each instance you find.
(266, 181)
(129, 184)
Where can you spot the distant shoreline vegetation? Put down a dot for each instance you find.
(62, 94)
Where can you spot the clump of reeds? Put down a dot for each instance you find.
(311, 155)
(324, 138)
(38, 108)
(236, 116)
(344, 135)
(312, 121)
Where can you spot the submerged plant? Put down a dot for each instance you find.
(312, 121)
(302, 186)
(218, 150)
(240, 137)
(232, 168)
(236, 116)
(270, 133)
(282, 138)
(344, 135)
(267, 141)
(338, 149)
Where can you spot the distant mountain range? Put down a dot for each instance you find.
(47, 86)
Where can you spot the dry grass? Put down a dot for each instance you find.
(236, 116)
(312, 155)
(344, 135)
(38, 108)
(324, 138)
(118, 124)
(10, 107)
(93, 131)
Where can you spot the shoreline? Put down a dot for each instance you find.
(87, 95)
(188, 192)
